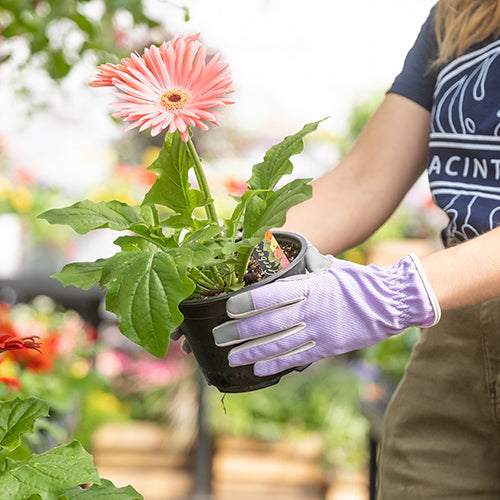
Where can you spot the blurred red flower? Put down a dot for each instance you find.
(39, 360)
(9, 342)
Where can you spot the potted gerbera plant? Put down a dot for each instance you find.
(176, 249)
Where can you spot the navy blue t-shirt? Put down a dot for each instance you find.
(464, 149)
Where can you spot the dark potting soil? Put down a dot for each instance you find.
(254, 272)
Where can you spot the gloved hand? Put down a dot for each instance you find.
(338, 307)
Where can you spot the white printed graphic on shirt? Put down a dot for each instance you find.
(464, 155)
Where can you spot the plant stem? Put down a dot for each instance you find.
(156, 217)
(218, 277)
(202, 279)
(234, 279)
(209, 207)
(202, 181)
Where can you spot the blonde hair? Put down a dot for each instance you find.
(462, 23)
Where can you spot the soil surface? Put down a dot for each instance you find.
(254, 272)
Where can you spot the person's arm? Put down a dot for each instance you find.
(356, 197)
(352, 200)
(467, 273)
(341, 306)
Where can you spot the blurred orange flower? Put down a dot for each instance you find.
(235, 187)
(38, 362)
(134, 175)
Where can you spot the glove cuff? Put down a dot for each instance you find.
(433, 314)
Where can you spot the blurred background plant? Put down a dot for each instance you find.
(57, 34)
(88, 381)
(47, 352)
(163, 391)
(62, 372)
(322, 400)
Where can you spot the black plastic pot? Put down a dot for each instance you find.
(202, 315)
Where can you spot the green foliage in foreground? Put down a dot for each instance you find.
(53, 475)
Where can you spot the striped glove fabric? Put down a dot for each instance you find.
(337, 307)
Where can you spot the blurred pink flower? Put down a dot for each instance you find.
(169, 87)
(111, 364)
(144, 370)
(156, 373)
(23, 175)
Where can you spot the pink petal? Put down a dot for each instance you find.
(179, 64)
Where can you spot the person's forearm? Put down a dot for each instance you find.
(344, 211)
(467, 273)
(354, 199)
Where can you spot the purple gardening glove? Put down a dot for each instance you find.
(338, 307)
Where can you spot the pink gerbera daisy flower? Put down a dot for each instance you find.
(170, 87)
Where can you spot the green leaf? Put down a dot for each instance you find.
(277, 162)
(244, 252)
(134, 243)
(85, 216)
(262, 215)
(205, 245)
(84, 24)
(57, 64)
(48, 474)
(200, 253)
(181, 222)
(172, 188)
(104, 491)
(17, 417)
(83, 275)
(144, 289)
(240, 209)
(203, 235)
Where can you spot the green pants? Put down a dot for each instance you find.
(442, 428)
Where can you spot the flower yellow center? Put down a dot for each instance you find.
(175, 99)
